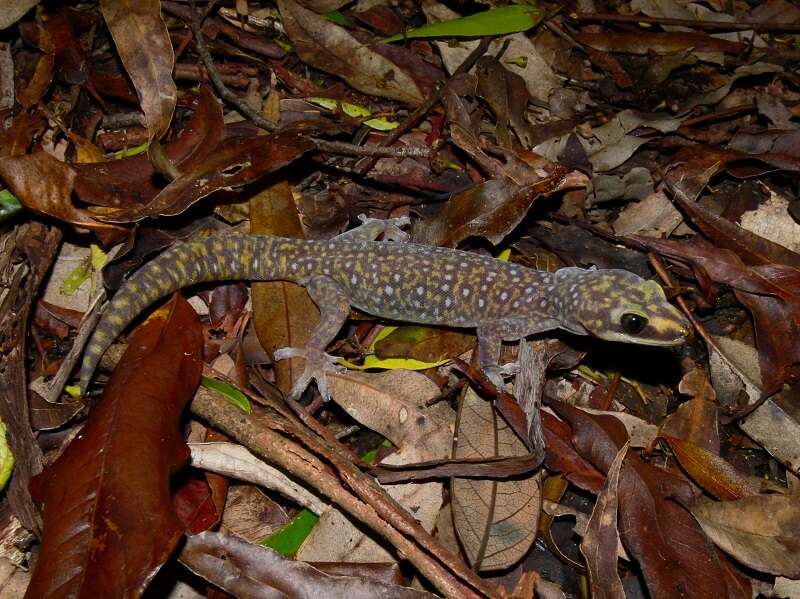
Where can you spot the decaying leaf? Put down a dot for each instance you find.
(236, 163)
(393, 404)
(673, 553)
(107, 506)
(600, 542)
(333, 49)
(496, 521)
(145, 49)
(761, 531)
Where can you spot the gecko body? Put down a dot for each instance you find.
(404, 282)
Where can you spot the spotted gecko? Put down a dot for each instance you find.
(405, 282)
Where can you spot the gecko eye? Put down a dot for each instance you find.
(633, 324)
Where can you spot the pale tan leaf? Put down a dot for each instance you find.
(600, 543)
(762, 531)
(330, 48)
(143, 43)
(495, 520)
(393, 404)
(12, 11)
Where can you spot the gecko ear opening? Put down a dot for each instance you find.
(633, 324)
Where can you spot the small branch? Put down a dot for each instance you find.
(368, 502)
(694, 24)
(375, 151)
(224, 93)
(415, 117)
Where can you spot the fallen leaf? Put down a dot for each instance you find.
(284, 314)
(601, 539)
(144, 46)
(106, 499)
(496, 521)
(331, 48)
(238, 162)
(761, 531)
(656, 530)
(44, 184)
(247, 570)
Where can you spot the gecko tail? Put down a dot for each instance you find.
(215, 258)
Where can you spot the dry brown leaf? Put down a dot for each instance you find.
(144, 46)
(600, 543)
(283, 313)
(495, 520)
(762, 531)
(330, 48)
(391, 403)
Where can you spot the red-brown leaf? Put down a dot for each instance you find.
(238, 162)
(132, 181)
(44, 184)
(108, 518)
(675, 555)
(770, 292)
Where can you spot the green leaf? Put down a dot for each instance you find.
(6, 457)
(132, 151)
(287, 540)
(76, 278)
(373, 361)
(497, 21)
(9, 205)
(236, 397)
(337, 17)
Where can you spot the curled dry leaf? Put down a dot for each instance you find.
(770, 291)
(656, 530)
(714, 474)
(236, 461)
(107, 505)
(327, 46)
(144, 46)
(131, 182)
(762, 531)
(238, 162)
(44, 184)
(490, 210)
(496, 521)
(247, 570)
(600, 543)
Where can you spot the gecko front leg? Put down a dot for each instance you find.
(490, 344)
(491, 335)
(334, 307)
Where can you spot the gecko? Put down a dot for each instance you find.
(406, 282)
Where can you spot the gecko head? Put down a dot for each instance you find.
(617, 305)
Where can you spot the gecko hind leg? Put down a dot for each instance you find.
(334, 308)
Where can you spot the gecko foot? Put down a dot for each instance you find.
(318, 365)
(390, 227)
(496, 373)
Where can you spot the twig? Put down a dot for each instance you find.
(371, 505)
(415, 117)
(663, 273)
(711, 25)
(376, 151)
(202, 50)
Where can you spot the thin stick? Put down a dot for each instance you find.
(415, 117)
(224, 93)
(710, 25)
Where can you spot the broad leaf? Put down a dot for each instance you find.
(497, 21)
(108, 519)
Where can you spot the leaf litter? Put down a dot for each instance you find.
(662, 138)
